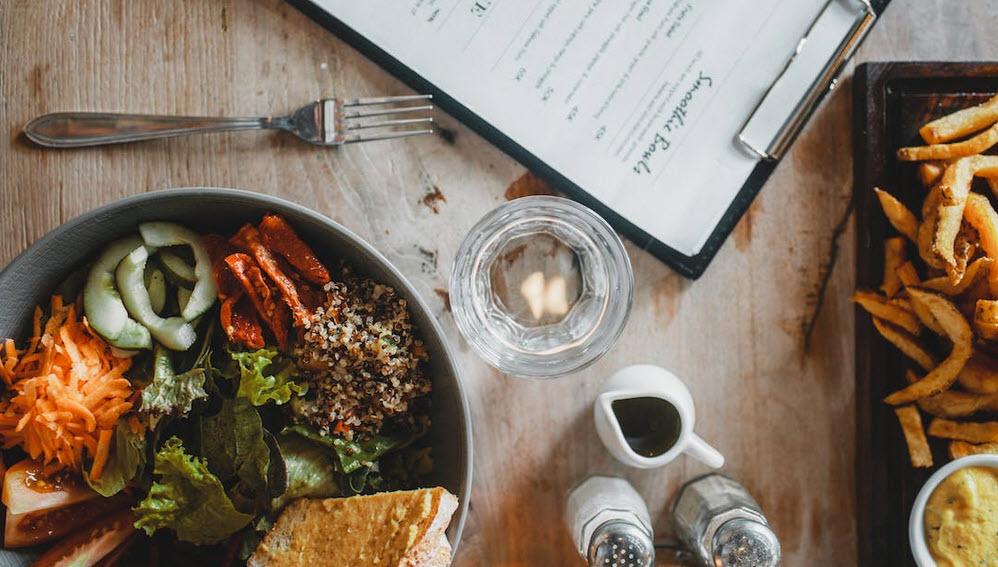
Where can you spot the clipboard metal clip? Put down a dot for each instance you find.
(828, 44)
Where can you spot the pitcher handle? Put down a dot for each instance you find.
(703, 452)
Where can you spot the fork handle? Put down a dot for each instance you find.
(80, 129)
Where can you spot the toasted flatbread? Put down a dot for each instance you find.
(389, 529)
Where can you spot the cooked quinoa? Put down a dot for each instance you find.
(363, 362)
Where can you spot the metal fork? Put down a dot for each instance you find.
(325, 122)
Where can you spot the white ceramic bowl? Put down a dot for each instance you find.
(30, 277)
(916, 522)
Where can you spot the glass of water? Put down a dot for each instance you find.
(541, 287)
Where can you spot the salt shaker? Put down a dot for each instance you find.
(610, 524)
(723, 525)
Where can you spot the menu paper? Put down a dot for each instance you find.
(638, 102)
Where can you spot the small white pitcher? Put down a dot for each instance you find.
(649, 381)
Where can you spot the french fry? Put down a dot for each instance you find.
(901, 303)
(914, 436)
(980, 374)
(898, 215)
(894, 257)
(876, 305)
(906, 343)
(929, 172)
(958, 449)
(983, 217)
(926, 318)
(927, 229)
(969, 147)
(964, 248)
(961, 123)
(908, 274)
(959, 333)
(956, 180)
(909, 277)
(951, 403)
(954, 187)
(974, 432)
(986, 319)
(977, 269)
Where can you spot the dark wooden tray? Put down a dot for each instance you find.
(892, 100)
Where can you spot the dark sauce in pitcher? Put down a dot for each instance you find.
(650, 426)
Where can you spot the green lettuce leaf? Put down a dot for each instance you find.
(232, 442)
(126, 460)
(188, 499)
(312, 471)
(351, 455)
(265, 375)
(174, 395)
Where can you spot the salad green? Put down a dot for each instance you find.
(126, 461)
(265, 375)
(350, 455)
(187, 498)
(233, 438)
(172, 394)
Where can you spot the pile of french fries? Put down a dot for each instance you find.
(944, 316)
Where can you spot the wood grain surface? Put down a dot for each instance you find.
(764, 338)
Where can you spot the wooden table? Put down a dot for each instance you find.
(764, 338)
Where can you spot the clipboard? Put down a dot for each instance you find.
(810, 71)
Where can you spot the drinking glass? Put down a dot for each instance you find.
(541, 287)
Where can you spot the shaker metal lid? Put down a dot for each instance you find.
(743, 542)
(621, 544)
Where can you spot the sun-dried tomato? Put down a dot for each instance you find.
(248, 237)
(311, 296)
(240, 322)
(246, 270)
(218, 248)
(277, 235)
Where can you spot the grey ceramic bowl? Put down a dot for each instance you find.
(31, 277)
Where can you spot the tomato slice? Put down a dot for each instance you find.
(40, 526)
(88, 546)
(27, 489)
(119, 553)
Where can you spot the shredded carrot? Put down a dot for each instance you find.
(65, 392)
(100, 458)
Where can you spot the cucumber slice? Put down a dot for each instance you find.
(161, 234)
(176, 268)
(183, 297)
(123, 353)
(102, 303)
(173, 333)
(162, 365)
(134, 337)
(156, 286)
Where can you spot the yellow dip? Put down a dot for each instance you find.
(961, 519)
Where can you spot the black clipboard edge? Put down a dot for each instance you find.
(691, 267)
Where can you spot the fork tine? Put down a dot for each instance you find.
(355, 138)
(389, 123)
(383, 112)
(382, 100)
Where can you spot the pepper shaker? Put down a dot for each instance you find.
(723, 525)
(610, 524)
